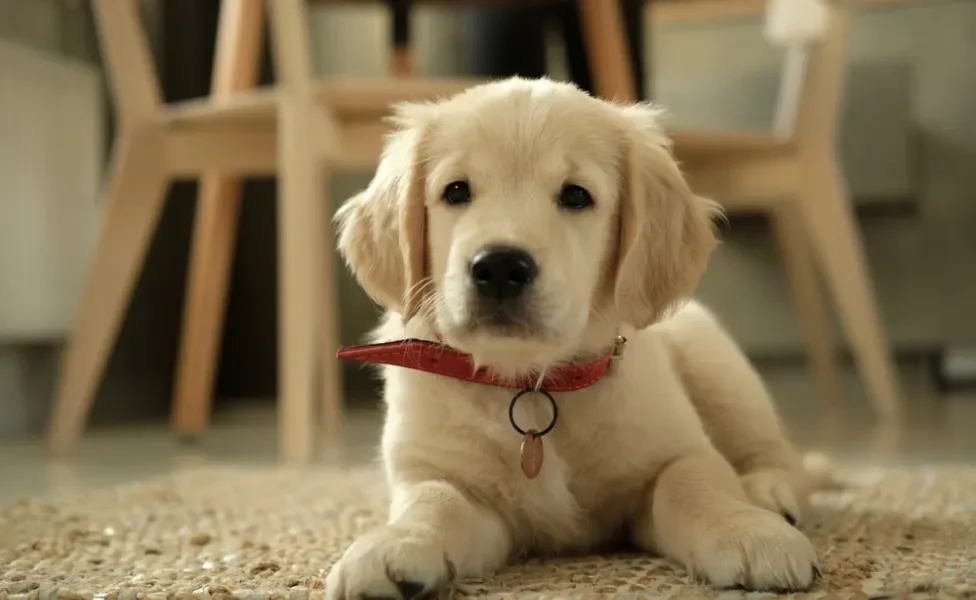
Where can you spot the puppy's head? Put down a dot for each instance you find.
(523, 218)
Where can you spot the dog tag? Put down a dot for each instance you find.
(531, 454)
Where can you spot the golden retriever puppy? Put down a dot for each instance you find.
(527, 225)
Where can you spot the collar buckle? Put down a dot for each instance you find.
(618, 347)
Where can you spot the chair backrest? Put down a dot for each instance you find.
(813, 34)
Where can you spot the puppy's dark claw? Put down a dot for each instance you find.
(790, 519)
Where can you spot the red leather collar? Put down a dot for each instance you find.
(440, 359)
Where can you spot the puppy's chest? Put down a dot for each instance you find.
(598, 458)
(592, 479)
(594, 439)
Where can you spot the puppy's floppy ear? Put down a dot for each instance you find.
(666, 232)
(382, 230)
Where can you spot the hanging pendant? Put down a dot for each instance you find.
(532, 454)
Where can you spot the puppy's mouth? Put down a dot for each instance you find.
(505, 338)
(510, 320)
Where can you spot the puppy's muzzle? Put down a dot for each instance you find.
(502, 273)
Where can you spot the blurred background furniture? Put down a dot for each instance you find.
(794, 173)
(292, 130)
(52, 121)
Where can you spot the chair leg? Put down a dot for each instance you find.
(301, 243)
(803, 281)
(135, 191)
(605, 37)
(837, 243)
(332, 404)
(208, 282)
(215, 231)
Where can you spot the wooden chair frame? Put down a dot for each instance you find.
(794, 174)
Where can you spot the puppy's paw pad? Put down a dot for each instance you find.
(773, 490)
(758, 551)
(391, 564)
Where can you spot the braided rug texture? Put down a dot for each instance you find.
(234, 533)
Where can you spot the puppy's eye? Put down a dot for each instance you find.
(457, 193)
(574, 197)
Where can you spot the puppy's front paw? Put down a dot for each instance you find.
(755, 550)
(773, 490)
(392, 563)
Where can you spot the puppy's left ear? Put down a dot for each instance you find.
(666, 231)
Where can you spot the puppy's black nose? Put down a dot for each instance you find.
(502, 272)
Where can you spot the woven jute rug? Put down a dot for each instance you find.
(251, 534)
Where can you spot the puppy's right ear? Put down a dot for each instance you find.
(382, 230)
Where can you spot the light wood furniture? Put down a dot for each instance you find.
(292, 130)
(794, 174)
(298, 129)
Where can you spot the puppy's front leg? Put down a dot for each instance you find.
(699, 514)
(434, 535)
(738, 413)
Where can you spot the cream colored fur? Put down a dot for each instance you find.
(678, 449)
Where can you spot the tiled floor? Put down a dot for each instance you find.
(937, 429)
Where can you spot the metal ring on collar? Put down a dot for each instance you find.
(552, 402)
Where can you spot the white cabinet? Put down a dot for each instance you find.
(51, 162)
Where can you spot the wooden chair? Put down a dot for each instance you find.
(297, 129)
(794, 173)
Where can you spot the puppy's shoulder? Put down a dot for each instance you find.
(692, 327)
(693, 319)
